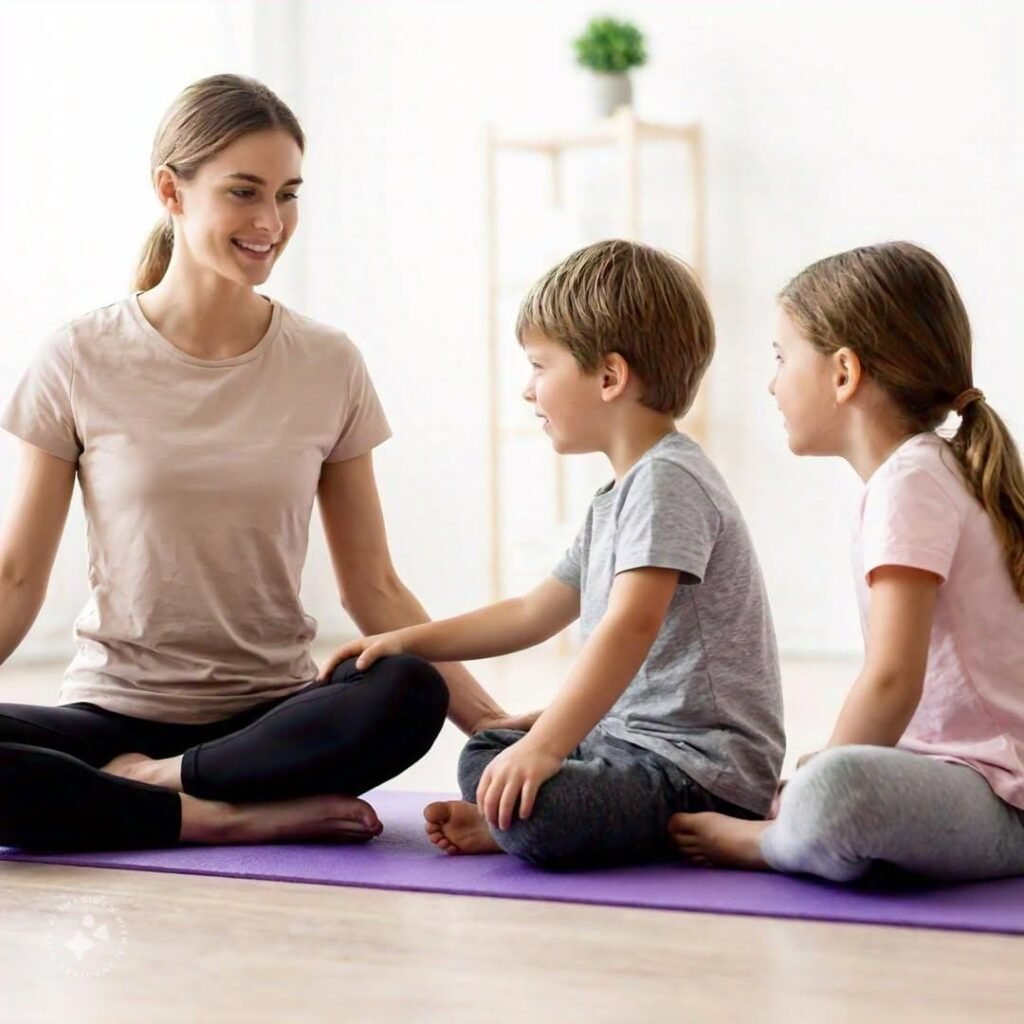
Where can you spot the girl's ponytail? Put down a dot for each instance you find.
(991, 465)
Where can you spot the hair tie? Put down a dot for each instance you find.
(966, 398)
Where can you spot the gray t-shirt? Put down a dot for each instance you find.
(707, 696)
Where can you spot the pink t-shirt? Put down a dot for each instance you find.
(917, 512)
(198, 479)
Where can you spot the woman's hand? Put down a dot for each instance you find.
(366, 650)
(517, 723)
(516, 774)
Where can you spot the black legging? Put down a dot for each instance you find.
(353, 732)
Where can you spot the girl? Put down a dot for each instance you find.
(925, 767)
(201, 420)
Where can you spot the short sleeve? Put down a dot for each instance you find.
(363, 423)
(909, 520)
(40, 411)
(667, 521)
(570, 566)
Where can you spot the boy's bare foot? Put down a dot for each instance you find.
(456, 826)
(335, 819)
(709, 838)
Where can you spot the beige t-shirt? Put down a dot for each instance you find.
(198, 479)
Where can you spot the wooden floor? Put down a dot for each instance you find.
(155, 947)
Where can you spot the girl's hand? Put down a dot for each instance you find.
(366, 650)
(515, 774)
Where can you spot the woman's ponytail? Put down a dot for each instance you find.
(155, 257)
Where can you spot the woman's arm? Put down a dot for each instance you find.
(29, 539)
(371, 591)
(887, 691)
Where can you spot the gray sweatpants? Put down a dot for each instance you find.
(850, 807)
(609, 804)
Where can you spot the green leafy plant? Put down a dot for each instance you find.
(610, 47)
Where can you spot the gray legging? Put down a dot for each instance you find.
(609, 804)
(852, 806)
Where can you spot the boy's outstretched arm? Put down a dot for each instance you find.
(501, 628)
(607, 664)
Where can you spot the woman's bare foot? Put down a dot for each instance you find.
(164, 772)
(334, 819)
(456, 826)
(708, 838)
(123, 764)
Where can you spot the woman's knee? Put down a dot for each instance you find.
(408, 682)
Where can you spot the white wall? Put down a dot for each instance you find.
(828, 125)
(82, 88)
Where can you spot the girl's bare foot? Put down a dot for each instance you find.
(456, 826)
(708, 838)
(334, 819)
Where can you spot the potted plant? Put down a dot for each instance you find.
(610, 48)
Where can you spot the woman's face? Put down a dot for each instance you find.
(236, 215)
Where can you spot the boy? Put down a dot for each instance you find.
(674, 701)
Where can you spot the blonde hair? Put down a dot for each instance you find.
(640, 302)
(205, 118)
(896, 307)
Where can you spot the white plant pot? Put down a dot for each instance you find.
(611, 92)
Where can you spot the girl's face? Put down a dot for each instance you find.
(804, 388)
(236, 215)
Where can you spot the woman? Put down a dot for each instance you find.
(201, 420)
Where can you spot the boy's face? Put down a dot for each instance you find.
(563, 396)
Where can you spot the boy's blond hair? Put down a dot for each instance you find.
(618, 296)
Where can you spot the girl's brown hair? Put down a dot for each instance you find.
(896, 307)
(208, 116)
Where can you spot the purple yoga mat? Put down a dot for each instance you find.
(403, 858)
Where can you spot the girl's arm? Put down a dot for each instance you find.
(29, 540)
(887, 691)
(376, 598)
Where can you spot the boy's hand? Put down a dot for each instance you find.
(517, 723)
(515, 774)
(368, 649)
